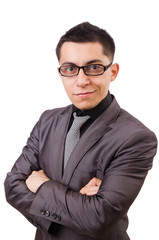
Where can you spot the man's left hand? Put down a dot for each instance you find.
(36, 179)
(92, 187)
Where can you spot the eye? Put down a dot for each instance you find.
(70, 68)
(94, 67)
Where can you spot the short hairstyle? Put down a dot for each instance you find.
(86, 32)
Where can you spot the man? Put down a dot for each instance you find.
(81, 186)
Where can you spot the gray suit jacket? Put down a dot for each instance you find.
(117, 148)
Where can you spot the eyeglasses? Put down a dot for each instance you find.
(91, 70)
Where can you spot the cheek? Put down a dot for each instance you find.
(105, 82)
(103, 89)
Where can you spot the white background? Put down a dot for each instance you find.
(29, 84)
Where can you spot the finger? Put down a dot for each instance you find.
(98, 181)
(89, 190)
(95, 181)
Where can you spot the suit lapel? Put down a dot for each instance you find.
(58, 143)
(93, 134)
(88, 139)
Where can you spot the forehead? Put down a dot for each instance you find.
(81, 53)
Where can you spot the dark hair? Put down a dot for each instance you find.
(86, 32)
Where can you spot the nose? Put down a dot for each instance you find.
(82, 79)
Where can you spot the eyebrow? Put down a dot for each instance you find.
(90, 62)
(94, 60)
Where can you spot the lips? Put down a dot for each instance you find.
(85, 94)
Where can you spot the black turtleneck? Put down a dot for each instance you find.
(94, 113)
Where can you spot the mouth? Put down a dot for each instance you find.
(84, 94)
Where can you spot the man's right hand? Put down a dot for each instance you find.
(92, 187)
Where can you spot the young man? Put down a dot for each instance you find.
(80, 186)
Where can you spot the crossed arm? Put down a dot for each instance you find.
(37, 178)
(109, 200)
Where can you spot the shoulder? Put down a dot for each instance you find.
(55, 113)
(132, 130)
(130, 122)
(51, 117)
(125, 125)
(131, 137)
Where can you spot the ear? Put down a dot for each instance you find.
(115, 71)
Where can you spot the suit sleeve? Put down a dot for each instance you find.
(96, 215)
(17, 194)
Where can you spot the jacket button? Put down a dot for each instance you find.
(43, 211)
(47, 213)
(54, 216)
(58, 218)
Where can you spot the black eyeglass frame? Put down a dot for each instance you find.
(83, 67)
